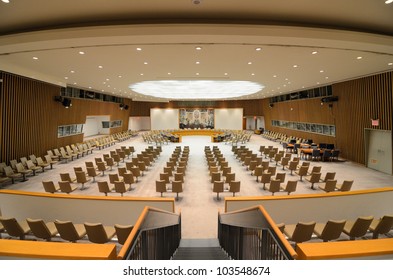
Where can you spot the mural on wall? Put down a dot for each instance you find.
(196, 118)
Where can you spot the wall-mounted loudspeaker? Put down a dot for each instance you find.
(123, 106)
(66, 102)
(329, 99)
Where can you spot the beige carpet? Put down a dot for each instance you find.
(198, 204)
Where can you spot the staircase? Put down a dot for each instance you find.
(200, 249)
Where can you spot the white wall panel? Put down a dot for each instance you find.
(228, 119)
(164, 119)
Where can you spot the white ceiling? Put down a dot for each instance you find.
(168, 32)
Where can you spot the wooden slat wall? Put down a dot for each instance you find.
(30, 117)
(359, 101)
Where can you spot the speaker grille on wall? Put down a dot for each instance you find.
(66, 102)
(329, 99)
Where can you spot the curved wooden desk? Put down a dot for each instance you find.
(197, 132)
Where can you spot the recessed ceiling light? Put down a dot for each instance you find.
(295, 66)
(197, 74)
(141, 74)
(258, 49)
(252, 74)
(249, 63)
(359, 57)
(81, 52)
(314, 52)
(5, 1)
(120, 76)
(35, 58)
(198, 62)
(138, 49)
(66, 78)
(145, 63)
(390, 63)
(321, 71)
(386, 2)
(100, 66)
(274, 76)
(226, 74)
(72, 71)
(198, 48)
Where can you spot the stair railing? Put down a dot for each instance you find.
(155, 236)
(250, 234)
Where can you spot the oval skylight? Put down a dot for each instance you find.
(196, 89)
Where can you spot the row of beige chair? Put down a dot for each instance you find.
(332, 229)
(66, 230)
(218, 166)
(175, 168)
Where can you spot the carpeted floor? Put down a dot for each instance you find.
(198, 204)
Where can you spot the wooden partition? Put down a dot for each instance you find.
(78, 209)
(29, 116)
(320, 207)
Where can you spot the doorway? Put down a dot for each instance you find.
(379, 150)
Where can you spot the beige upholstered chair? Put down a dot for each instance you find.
(142, 166)
(178, 177)
(313, 178)
(120, 187)
(218, 187)
(290, 187)
(265, 179)
(329, 176)
(69, 231)
(292, 166)
(271, 169)
(98, 233)
(101, 166)
(329, 186)
(128, 178)
(274, 186)
(358, 228)
(109, 162)
(281, 177)
(161, 186)
(258, 172)
(345, 186)
(234, 187)
(230, 177)
(66, 187)
(114, 177)
(302, 172)
(215, 176)
(122, 232)
(92, 172)
(41, 229)
(168, 170)
(165, 177)
(104, 187)
(21, 169)
(136, 172)
(284, 162)
(177, 187)
(329, 231)
(50, 187)
(67, 177)
(122, 171)
(41, 163)
(381, 226)
(50, 160)
(226, 170)
(81, 178)
(15, 228)
(315, 169)
(300, 232)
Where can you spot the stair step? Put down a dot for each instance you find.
(200, 253)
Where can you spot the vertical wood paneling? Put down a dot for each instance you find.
(30, 117)
(359, 101)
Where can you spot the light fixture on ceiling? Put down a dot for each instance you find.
(196, 89)
(386, 2)
(5, 1)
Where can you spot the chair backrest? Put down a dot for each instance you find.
(122, 232)
(303, 170)
(65, 186)
(218, 186)
(39, 228)
(303, 232)
(103, 187)
(234, 186)
(65, 177)
(330, 185)
(315, 177)
(49, 186)
(67, 230)
(384, 225)
(291, 186)
(128, 178)
(360, 227)
(120, 187)
(330, 176)
(177, 186)
(332, 230)
(160, 186)
(96, 233)
(346, 186)
(113, 178)
(91, 171)
(80, 176)
(292, 165)
(274, 185)
(12, 227)
(281, 177)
